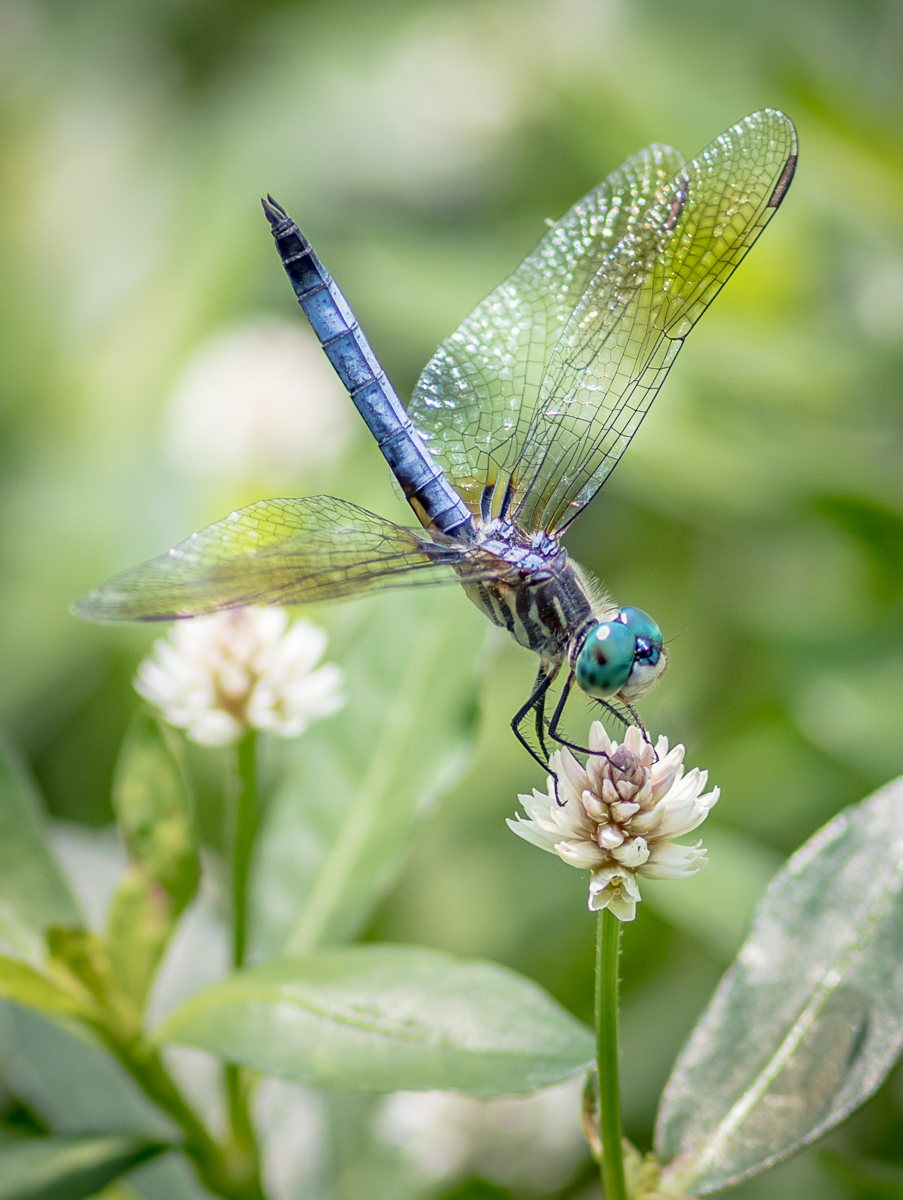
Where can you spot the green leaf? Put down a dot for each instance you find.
(809, 1020)
(33, 889)
(379, 1018)
(153, 809)
(76, 1086)
(140, 923)
(357, 784)
(69, 1168)
(25, 985)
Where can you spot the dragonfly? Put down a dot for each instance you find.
(515, 424)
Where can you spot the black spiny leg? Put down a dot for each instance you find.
(639, 724)
(609, 708)
(539, 713)
(536, 703)
(559, 713)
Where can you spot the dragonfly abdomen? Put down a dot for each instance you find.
(435, 501)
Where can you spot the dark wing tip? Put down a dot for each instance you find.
(780, 188)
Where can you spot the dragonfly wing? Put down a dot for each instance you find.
(283, 552)
(628, 326)
(476, 401)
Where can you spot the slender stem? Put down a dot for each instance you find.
(245, 832)
(224, 1172)
(608, 936)
(243, 1151)
(243, 1137)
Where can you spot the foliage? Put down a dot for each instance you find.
(757, 515)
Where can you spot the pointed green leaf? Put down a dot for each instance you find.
(68, 1168)
(140, 923)
(809, 1019)
(25, 985)
(33, 889)
(382, 1018)
(357, 784)
(153, 810)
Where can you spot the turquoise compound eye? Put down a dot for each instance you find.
(606, 659)
(651, 659)
(644, 629)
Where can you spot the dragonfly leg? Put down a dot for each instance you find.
(559, 712)
(553, 730)
(536, 703)
(539, 715)
(639, 724)
(554, 733)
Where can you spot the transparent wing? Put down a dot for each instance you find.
(630, 323)
(477, 397)
(283, 552)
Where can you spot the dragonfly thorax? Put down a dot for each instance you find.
(550, 605)
(539, 595)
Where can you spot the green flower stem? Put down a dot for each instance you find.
(223, 1171)
(244, 835)
(608, 937)
(244, 1139)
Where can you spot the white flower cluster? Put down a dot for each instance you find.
(616, 816)
(219, 676)
(531, 1143)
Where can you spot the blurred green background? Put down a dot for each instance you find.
(421, 146)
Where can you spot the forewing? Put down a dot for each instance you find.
(283, 552)
(627, 328)
(477, 397)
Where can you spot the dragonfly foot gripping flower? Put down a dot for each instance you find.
(616, 816)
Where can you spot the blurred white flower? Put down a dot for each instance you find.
(218, 676)
(259, 400)
(532, 1143)
(617, 814)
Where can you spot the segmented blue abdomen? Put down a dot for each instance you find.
(357, 366)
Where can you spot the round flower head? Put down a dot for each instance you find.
(219, 676)
(617, 815)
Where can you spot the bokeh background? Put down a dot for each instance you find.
(155, 373)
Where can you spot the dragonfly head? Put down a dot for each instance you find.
(622, 658)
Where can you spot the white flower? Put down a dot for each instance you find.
(218, 676)
(258, 400)
(615, 816)
(532, 1143)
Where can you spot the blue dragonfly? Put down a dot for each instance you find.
(515, 424)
